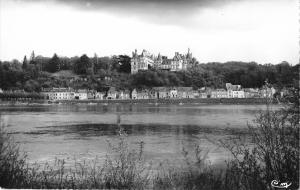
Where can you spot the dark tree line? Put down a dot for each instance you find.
(249, 75)
(39, 72)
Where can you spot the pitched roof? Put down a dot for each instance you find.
(160, 88)
(182, 88)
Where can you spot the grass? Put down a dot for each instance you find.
(273, 155)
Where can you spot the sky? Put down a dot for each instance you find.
(264, 31)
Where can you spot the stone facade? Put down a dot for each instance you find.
(219, 93)
(141, 62)
(145, 60)
(58, 94)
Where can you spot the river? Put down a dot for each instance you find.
(83, 131)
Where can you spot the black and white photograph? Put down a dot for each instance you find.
(150, 94)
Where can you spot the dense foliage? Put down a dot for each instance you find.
(100, 72)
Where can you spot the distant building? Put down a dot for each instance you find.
(219, 93)
(153, 94)
(91, 94)
(238, 94)
(134, 94)
(99, 95)
(124, 95)
(196, 93)
(202, 92)
(145, 60)
(251, 93)
(111, 93)
(173, 93)
(185, 92)
(58, 93)
(203, 95)
(141, 62)
(180, 62)
(161, 92)
(143, 94)
(166, 64)
(267, 92)
(234, 91)
(81, 94)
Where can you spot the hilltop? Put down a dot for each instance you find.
(99, 73)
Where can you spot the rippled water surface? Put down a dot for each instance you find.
(47, 132)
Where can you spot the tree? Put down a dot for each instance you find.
(93, 63)
(82, 64)
(125, 63)
(115, 63)
(32, 58)
(54, 64)
(25, 63)
(32, 86)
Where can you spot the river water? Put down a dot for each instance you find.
(83, 131)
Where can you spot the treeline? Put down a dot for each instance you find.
(249, 75)
(39, 72)
(19, 96)
(36, 73)
(83, 65)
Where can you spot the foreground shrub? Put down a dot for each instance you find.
(125, 169)
(13, 168)
(195, 173)
(273, 153)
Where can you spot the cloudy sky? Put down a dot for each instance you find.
(265, 31)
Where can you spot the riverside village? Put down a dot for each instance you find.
(149, 94)
(143, 62)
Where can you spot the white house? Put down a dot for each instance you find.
(234, 91)
(185, 92)
(99, 95)
(251, 93)
(219, 93)
(58, 93)
(81, 94)
(134, 94)
(111, 93)
(143, 94)
(124, 95)
(238, 94)
(173, 93)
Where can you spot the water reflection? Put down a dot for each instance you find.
(102, 129)
(46, 132)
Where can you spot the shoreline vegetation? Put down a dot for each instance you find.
(150, 101)
(273, 155)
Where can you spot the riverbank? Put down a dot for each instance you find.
(173, 101)
(147, 101)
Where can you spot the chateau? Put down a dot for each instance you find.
(145, 61)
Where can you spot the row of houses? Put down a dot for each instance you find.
(236, 91)
(231, 91)
(67, 94)
(112, 93)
